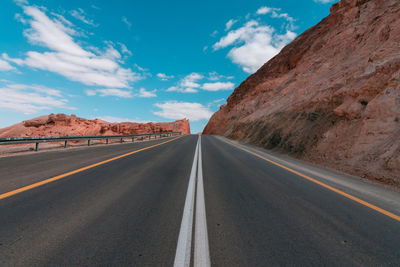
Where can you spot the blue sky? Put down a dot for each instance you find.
(138, 60)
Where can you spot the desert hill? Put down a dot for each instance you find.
(71, 125)
(331, 97)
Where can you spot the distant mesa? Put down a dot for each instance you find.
(71, 125)
(331, 97)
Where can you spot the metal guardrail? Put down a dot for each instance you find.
(65, 139)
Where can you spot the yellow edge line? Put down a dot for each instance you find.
(58, 177)
(369, 205)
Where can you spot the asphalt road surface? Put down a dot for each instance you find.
(189, 201)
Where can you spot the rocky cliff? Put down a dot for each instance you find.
(65, 125)
(331, 97)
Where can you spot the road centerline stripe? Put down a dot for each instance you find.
(356, 199)
(58, 177)
(201, 248)
(183, 249)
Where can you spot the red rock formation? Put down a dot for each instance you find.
(332, 96)
(65, 125)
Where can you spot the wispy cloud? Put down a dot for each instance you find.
(95, 7)
(164, 77)
(80, 15)
(275, 13)
(119, 119)
(325, 1)
(125, 50)
(216, 102)
(36, 88)
(229, 24)
(68, 58)
(181, 90)
(30, 99)
(4, 65)
(178, 110)
(215, 76)
(214, 33)
(146, 94)
(21, 2)
(194, 81)
(110, 92)
(127, 22)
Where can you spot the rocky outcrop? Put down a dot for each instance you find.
(331, 97)
(65, 125)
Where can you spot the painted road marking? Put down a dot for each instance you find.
(356, 199)
(183, 249)
(201, 249)
(58, 177)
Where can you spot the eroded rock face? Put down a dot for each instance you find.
(65, 125)
(332, 96)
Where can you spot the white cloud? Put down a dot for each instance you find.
(140, 68)
(217, 86)
(80, 15)
(127, 22)
(214, 76)
(21, 2)
(37, 88)
(19, 18)
(111, 53)
(146, 94)
(264, 10)
(30, 99)
(275, 13)
(193, 82)
(188, 84)
(217, 101)
(178, 110)
(229, 24)
(110, 92)
(324, 1)
(4, 65)
(68, 58)
(181, 90)
(164, 77)
(17, 61)
(119, 119)
(253, 44)
(63, 20)
(282, 15)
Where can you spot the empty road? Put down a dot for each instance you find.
(189, 201)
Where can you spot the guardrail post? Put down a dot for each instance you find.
(106, 141)
(133, 139)
(121, 140)
(88, 142)
(65, 144)
(36, 146)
